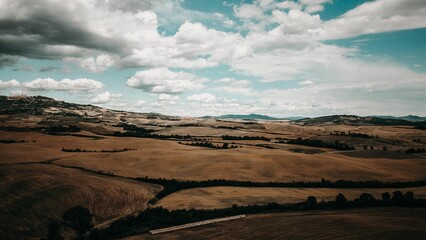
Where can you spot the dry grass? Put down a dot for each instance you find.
(47, 147)
(390, 223)
(41, 192)
(167, 159)
(223, 197)
(32, 195)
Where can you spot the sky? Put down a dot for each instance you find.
(212, 57)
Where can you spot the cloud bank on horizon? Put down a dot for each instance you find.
(194, 58)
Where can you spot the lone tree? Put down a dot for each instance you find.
(340, 201)
(398, 197)
(341, 198)
(54, 231)
(80, 219)
(311, 201)
(366, 198)
(409, 197)
(386, 197)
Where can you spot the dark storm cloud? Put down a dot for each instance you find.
(23, 68)
(8, 61)
(47, 32)
(133, 6)
(49, 69)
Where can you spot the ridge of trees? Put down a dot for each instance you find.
(319, 143)
(84, 150)
(49, 129)
(7, 141)
(209, 145)
(413, 150)
(227, 137)
(154, 218)
(352, 134)
(173, 185)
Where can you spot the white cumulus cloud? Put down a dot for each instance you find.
(76, 85)
(163, 80)
(97, 64)
(202, 97)
(167, 97)
(377, 17)
(105, 97)
(9, 84)
(102, 98)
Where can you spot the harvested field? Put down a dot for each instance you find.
(43, 147)
(168, 159)
(379, 154)
(385, 223)
(224, 197)
(34, 194)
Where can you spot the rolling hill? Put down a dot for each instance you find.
(251, 117)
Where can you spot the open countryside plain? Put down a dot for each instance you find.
(92, 156)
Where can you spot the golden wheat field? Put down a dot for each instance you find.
(298, 119)
(223, 197)
(168, 159)
(40, 181)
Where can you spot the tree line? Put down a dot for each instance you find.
(227, 137)
(414, 150)
(319, 143)
(155, 218)
(13, 141)
(49, 129)
(353, 134)
(209, 145)
(84, 150)
(173, 185)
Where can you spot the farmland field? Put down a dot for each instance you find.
(32, 195)
(81, 155)
(224, 197)
(223, 119)
(168, 159)
(386, 223)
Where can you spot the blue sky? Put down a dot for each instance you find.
(195, 58)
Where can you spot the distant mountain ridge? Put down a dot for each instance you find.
(374, 119)
(357, 120)
(251, 117)
(39, 105)
(412, 118)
